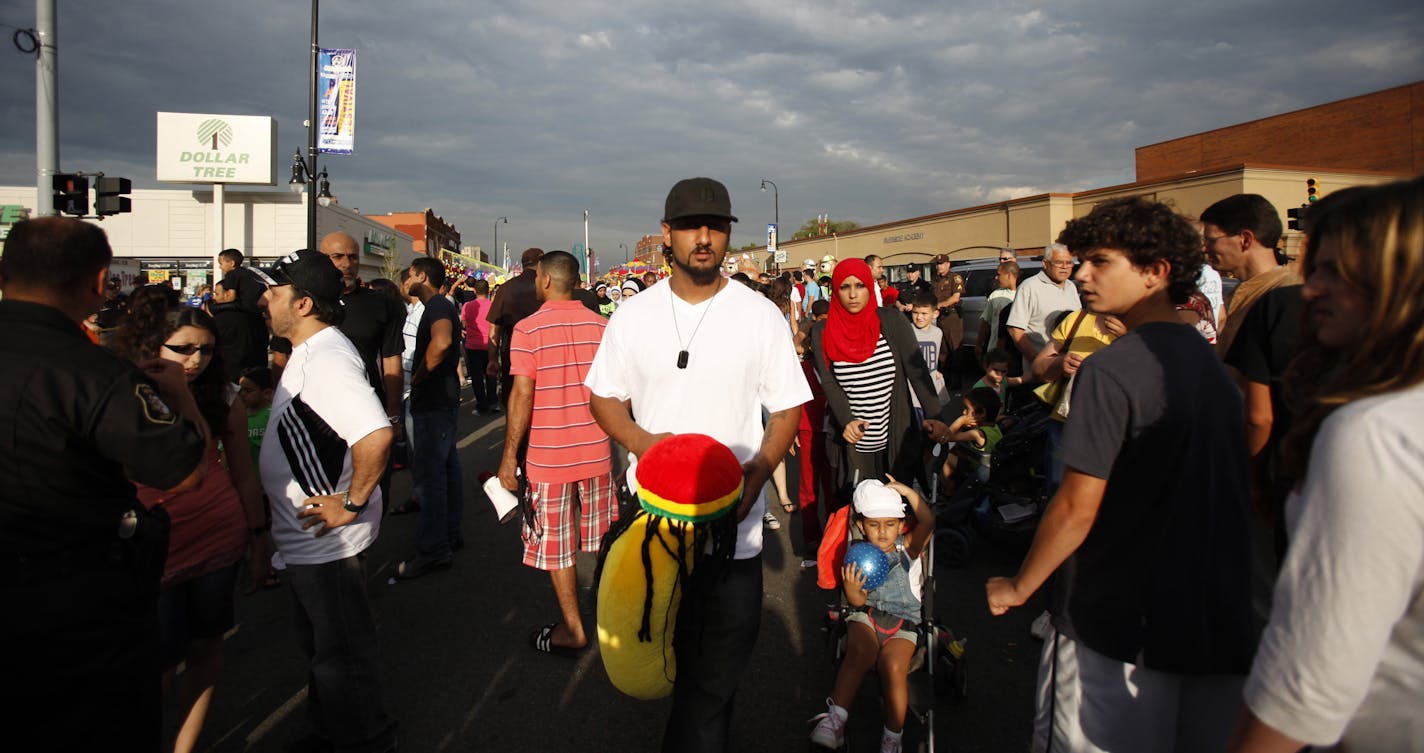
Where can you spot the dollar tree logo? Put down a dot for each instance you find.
(214, 133)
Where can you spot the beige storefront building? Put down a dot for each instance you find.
(1370, 139)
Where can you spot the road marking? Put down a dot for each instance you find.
(485, 430)
(273, 719)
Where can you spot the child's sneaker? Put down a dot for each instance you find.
(890, 741)
(770, 521)
(830, 727)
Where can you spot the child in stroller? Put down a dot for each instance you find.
(881, 631)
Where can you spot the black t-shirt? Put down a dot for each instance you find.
(80, 423)
(514, 301)
(1269, 338)
(440, 389)
(373, 323)
(1163, 578)
(587, 298)
(249, 290)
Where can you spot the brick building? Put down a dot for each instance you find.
(430, 234)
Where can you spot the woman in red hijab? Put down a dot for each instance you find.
(868, 361)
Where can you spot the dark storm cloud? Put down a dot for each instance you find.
(867, 111)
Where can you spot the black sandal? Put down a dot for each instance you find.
(543, 640)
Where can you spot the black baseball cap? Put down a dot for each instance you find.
(698, 197)
(308, 270)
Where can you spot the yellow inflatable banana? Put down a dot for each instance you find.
(685, 483)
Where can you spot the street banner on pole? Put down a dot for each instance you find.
(777, 254)
(337, 72)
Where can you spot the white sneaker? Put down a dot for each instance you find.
(890, 741)
(770, 521)
(830, 727)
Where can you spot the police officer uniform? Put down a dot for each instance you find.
(909, 290)
(82, 558)
(950, 322)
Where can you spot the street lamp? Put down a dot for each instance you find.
(776, 204)
(302, 180)
(624, 246)
(505, 220)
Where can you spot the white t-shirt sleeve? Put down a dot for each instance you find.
(607, 376)
(1020, 316)
(783, 384)
(1355, 554)
(343, 398)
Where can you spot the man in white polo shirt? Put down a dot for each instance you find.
(1038, 302)
(703, 355)
(322, 457)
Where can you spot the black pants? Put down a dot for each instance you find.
(81, 662)
(717, 626)
(476, 361)
(336, 630)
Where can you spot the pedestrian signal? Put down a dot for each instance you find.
(71, 194)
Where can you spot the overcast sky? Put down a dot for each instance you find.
(868, 111)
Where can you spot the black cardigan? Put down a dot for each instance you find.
(911, 372)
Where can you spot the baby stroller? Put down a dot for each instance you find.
(1005, 509)
(937, 668)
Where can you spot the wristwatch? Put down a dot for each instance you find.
(349, 506)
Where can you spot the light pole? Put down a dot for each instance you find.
(624, 246)
(505, 220)
(776, 204)
(310, 167)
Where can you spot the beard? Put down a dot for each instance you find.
(698, 276)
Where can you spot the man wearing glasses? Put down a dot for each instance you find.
(1040, 301)
(1239, 235)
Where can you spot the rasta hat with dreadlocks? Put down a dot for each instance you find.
(688, 487)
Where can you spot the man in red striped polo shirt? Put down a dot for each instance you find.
(569, 464)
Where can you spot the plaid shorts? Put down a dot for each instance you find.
(551, 532)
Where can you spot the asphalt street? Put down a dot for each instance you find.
(459, 674)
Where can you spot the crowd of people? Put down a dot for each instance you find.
(1232, 536)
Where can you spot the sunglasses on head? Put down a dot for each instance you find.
(189, 349)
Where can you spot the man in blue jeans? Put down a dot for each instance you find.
(434, 402)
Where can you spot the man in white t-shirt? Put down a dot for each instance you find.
(326, 447)
(1039, 301)
(701, 355)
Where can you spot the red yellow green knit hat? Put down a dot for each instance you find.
(689, 477)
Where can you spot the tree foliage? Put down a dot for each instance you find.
(817, 226)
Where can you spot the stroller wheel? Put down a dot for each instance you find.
(953, 546)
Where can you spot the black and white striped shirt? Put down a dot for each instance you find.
(867, 386)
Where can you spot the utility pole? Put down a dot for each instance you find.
(46, 108)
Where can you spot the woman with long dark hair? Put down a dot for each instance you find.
(1342, 660)
(868, 361)
(211, 525)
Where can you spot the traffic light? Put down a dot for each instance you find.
(108, 198)
(71, 194)
(1312, 189)
(1295, 217)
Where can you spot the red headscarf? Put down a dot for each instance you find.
(850, 338)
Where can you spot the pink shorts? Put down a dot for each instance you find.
(885, 626)
(565, 518)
